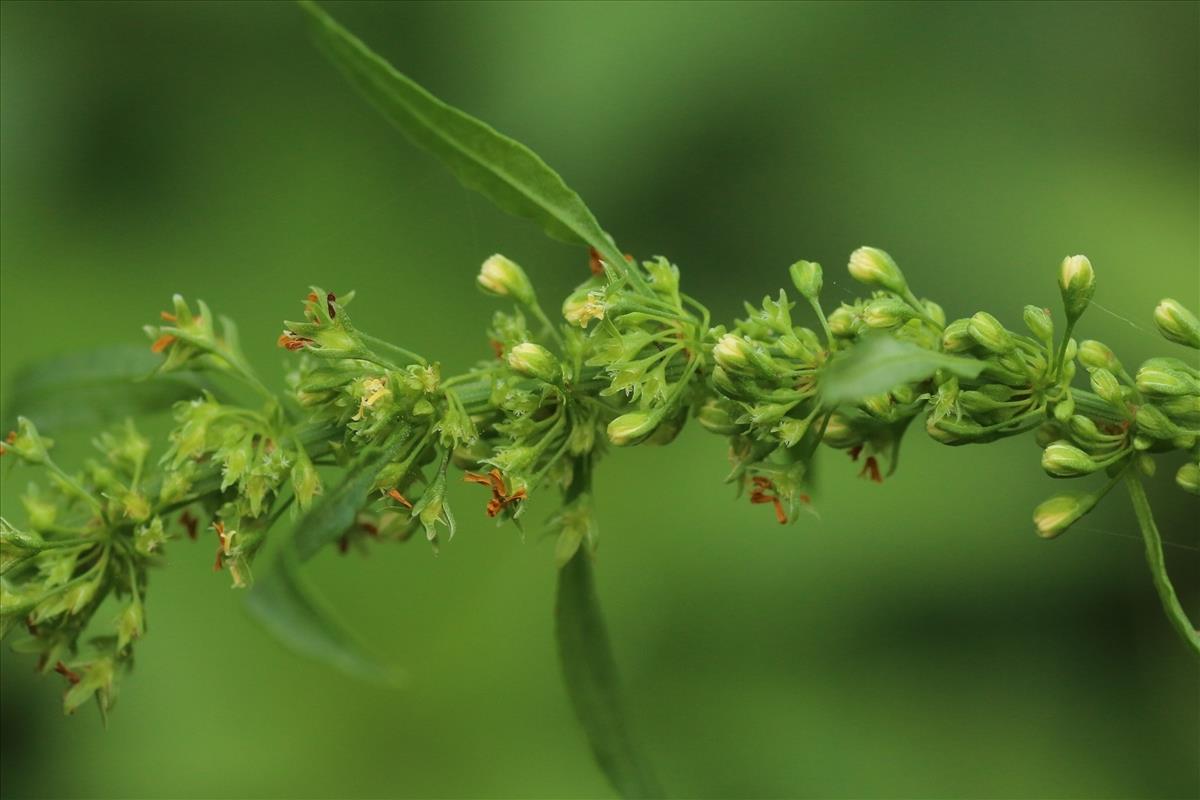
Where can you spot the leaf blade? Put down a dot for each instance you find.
(881, 363)
(590, 674)
(284, 604)
(335, 511)
(502, 169)
(114, 382)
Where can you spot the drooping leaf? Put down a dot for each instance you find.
(288, 608)
(880, 364)
(591, 677)
(95, 387)
(502, 169)
(334, 512)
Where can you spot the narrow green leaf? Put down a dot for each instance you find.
(334, 512)
(95, 387)
(882, 363)
(505, 171)
(288, 608)
(591, 678)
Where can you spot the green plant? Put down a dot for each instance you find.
(636, 358)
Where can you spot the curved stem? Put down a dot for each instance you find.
(1158, 569)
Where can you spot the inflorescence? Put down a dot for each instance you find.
(632, 359)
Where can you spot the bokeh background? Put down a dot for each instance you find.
(916, 640)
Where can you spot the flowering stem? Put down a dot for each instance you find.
(1158, 569)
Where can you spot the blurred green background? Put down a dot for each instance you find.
(917, 640)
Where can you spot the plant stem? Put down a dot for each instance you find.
(1158, 569)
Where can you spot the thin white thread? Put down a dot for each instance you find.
(1126, 320)
(1165, 542)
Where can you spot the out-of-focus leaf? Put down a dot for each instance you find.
(334, 512)
(880, 364)
(592, 683)
(283, 603)
(95, 387)
(502, 169)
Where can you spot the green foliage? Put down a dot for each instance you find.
(883, 363)
(291, 611)
(590, 674)
(505, 171)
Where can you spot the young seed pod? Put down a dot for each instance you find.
(1039, 323)
(806, 275)
(1177, 324)
(1055, 515)
(504, 278)
(1077, 282)
(1095, 355)
(874, 267)
(989, 333)
(534, 361)
(1065, 460)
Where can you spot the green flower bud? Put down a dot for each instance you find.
(1095, 355)
(1039, 323)
(989, 333)
(1177, 323)
(732, 353)
(1077, 281)
(504, 278)
(534, 361)
(1105, 384)
(1048, 433)
(874, 267)
(935, 312)
(841, 432)
(1064, 409)
(306, 484)
(1061, 512)
(1152, 422)
(1184, 410)
(1084, 430)
(1065, 460)
(1146, 465)
(632, 428)
(131, 623)
(715, 417)
(807, 277)
(956, 338)
(27, 443)
(886, 312)
(1162, 380)
(844, 322)
(1188, 478)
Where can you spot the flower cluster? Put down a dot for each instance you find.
(630, 359)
